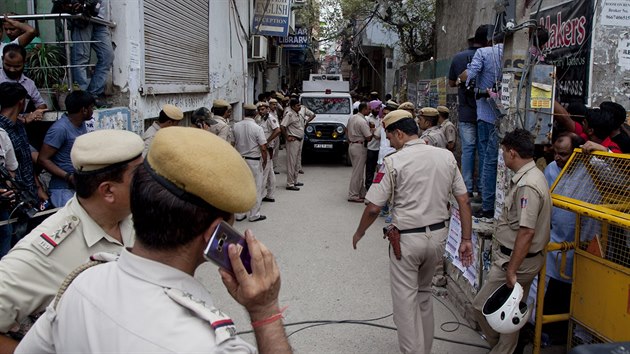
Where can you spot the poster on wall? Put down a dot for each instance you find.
(570, 29)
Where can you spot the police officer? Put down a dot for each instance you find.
(271, 128)
(251, 143)
(293, 130)
(148, 300)
(419, 190)
(447, 127)
(359, 132)
(169, 116)
(276, 112)
(428, 122)
(522, 232)
(306, 115)
(221, 109)
(96, 219)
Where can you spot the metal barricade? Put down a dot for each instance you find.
(65, 18)
(596, 187)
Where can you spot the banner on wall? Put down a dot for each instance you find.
(570, 28)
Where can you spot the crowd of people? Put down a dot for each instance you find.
(100, 180)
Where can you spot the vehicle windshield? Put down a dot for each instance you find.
(328, 105)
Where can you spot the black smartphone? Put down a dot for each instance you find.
(217, 249)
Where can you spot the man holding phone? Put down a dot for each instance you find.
(148, 300)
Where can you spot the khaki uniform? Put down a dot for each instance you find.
(32, 272)
(527, 204)
(148, 136)
(449, 131)
(305, 114)
(434, 137)
(222, 129)
(294, 126)
(248, 137)
(269, 178)
(129, 306)
(421, 189)
(276, 141)
(358, 132)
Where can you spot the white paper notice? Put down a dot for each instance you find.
(452, 248)
(616, 13)
(623, 53)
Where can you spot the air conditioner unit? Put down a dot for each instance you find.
(275, 55)
(259, 47)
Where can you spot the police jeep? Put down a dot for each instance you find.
(329, 98)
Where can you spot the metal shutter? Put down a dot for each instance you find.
(175, 46)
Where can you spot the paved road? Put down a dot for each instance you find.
(323, 278)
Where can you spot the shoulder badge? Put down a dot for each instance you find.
(46, 243)
(222, 325)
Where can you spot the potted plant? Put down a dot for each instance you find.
(44, 67)
(60, 92)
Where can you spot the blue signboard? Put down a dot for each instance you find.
(271, 17)
(297, 41)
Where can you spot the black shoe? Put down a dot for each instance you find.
(293, 188)
(301, 172)
(276, 172)
(484, 214)
(270, 200)
(260, 218)
(299, 184)
(241, 219)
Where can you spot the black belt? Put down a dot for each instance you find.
(433, 227)
(356, 142)
(252, 158)
(508, 252)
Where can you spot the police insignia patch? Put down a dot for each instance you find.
(523, 202)
(379, 175)
(46, 243)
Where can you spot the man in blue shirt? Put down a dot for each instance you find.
(485, 70)
(467, 107)
(558, 293)
(55, 152)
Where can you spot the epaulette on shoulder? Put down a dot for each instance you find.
(46, 243)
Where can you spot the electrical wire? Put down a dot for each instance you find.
(368, 322)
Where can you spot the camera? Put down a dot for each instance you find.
(478, 93)
(26, 202)
(87, 8)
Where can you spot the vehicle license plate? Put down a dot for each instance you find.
(323, 146)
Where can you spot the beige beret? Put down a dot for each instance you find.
(285, 98)
(202, 164)
(429, 112)
(443, 109)
(407, 105)
(249, 106)
(220, 103)
(173, 112)
(394, 116)
(391, 105)
(273, 100)
(103, 148)
(262, 104)
(373, 93)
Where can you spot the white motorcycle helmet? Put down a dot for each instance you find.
(504, 310)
